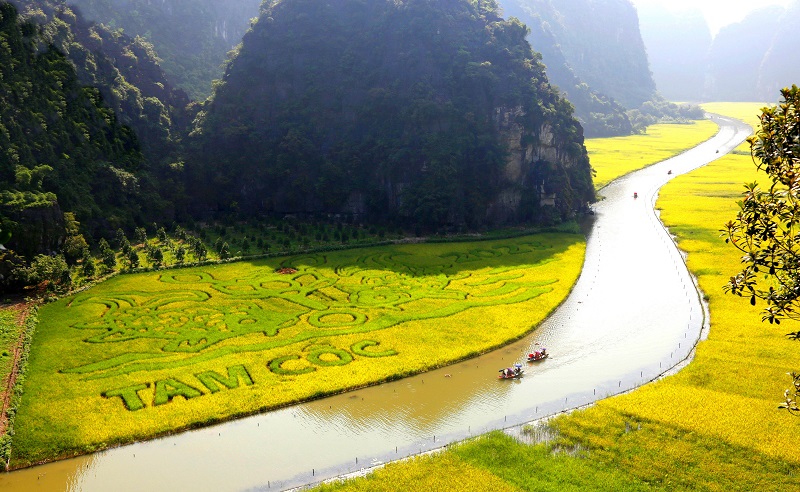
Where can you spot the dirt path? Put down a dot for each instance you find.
(7, 386)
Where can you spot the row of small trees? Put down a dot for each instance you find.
(77, 263)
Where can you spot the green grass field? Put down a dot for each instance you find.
(9, 335)
(713, 426)
(618, 156)
(149, 353)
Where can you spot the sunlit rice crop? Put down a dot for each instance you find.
(430, 473)
(616, 156)
(731, 389)
(150, 353)
(713, 426)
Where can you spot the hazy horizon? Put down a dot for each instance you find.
(718, 13)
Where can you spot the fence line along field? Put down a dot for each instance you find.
(150, 353)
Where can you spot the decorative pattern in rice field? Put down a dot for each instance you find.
(150, 353)
(199, 314)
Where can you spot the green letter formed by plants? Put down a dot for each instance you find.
(168, 389)
(130, 396)
(359, 348)
(236, 374)
(276, 366)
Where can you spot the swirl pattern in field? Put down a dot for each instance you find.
(199, 314)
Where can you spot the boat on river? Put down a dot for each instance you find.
(538, 355)
(511, 372)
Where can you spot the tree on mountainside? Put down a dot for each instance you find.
(767, 227)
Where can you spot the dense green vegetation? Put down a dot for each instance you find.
(60, 144)
(603, 45)
(359, 119)
(150, 353)
(191, 37)
(125, 70)
(436, 114)
(458, 138)
(89, 127)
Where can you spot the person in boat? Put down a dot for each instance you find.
(538, 354)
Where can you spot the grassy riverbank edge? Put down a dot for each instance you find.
(23, 321)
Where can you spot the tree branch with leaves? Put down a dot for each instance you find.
(767, 227)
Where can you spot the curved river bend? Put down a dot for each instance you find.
(633, 314)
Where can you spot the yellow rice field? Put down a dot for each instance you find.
(618, 156)
(732, 388)
(713, 426)
(150, 353)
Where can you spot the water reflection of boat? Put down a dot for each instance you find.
(511, 372)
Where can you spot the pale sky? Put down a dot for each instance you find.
(718, 13)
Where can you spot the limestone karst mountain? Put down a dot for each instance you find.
(435, 113)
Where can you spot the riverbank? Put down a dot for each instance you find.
(614, 157)
(415, 413)
(157, 352)
(714, 426)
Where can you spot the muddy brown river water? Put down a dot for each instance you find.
(634, 314)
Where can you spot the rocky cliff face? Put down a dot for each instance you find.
(536, 163)
(677, 44)
(419, 111)
(594, 53)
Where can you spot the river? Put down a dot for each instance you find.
(634, 313)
